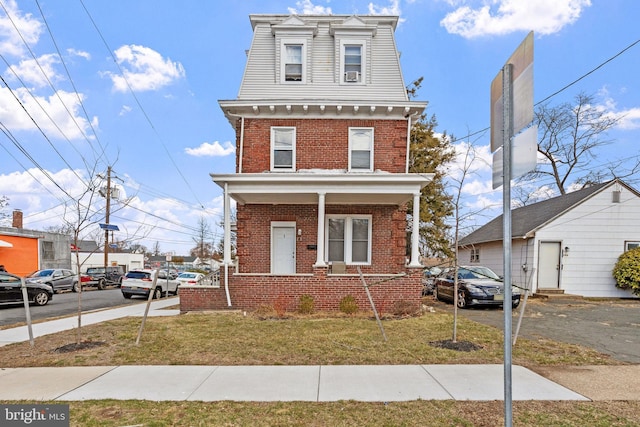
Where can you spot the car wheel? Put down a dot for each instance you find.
(101, 284)
(74, 287)
(41, 298)
(127, 296)
(515, 304)
(462, 302)
(157, 293)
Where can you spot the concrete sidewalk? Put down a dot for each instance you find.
(369, 383)
(277, 383)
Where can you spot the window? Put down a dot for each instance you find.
(352, 63)
(47, 250)
(283, 144)
(475, 255)
(293, 62)
(631, 245)
(349, 239)
(361, 149)
(353, 54)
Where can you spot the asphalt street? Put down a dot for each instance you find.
(608, 326)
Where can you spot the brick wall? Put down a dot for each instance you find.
(248, 292)
(389, 236)
(324, 143)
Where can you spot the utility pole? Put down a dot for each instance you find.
(106, 220)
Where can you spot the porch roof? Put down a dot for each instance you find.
(378, 188)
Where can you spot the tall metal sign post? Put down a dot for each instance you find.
(511, 111)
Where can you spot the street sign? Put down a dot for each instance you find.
(109, 227)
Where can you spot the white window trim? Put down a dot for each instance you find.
(628, 243)
(363, 61)
(293, 149)
(348, 237)
(283, 55)
(371, 157)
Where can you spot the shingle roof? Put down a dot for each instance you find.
(529, 218)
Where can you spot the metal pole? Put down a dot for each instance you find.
(106, 220)
(507, 116)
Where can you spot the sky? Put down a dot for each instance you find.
(135, 85)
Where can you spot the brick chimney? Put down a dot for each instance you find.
(17, 219)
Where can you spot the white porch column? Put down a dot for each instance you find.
(415, 232)
(320, 240)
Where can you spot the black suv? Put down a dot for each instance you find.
(97, 276)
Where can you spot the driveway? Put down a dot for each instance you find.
(608, 326)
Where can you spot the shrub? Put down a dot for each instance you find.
(307, 304)
(627, 271)
(280, 305)
(348, 305)
(404, 308)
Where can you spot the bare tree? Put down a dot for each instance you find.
(204, 247)
(467, 159)
(4, 202)
(570, 136)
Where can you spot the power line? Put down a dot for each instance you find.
(135, 97)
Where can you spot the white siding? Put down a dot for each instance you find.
(383, 74)
(595, 233)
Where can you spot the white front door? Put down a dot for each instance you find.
(283, 238)
(549, 265)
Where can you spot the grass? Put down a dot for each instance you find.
(259, 339)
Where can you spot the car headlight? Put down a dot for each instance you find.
(515, 290)
(473, 288)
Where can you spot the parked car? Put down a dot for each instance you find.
(11, 291)
(191, 278)
(140, 283)
(99, 278)
(58, 278)
(477, 286)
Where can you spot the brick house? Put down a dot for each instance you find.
(322, 123)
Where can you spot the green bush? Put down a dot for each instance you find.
(307, 304)
(348, 305)
(627, 271)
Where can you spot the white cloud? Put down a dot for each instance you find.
(506, 16)
(37, 73)
(124, 110)
(57, 108)
(628, 119)
(392, 9)
(144, 69)
(215, 149)
(306, 7)
(80, 53)
(28, 28)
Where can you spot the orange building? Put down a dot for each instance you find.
(25, 251)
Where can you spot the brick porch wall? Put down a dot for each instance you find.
(248, 292)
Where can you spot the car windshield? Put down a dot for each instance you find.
(477, 273)
(41, 273)
(188, 275)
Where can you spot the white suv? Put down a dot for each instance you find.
(140, 282)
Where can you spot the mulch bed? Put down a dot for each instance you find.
(458, 345)
(68, 348)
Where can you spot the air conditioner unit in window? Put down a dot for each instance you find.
(352, 76)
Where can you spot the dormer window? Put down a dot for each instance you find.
(293, 62)
(352, 63)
